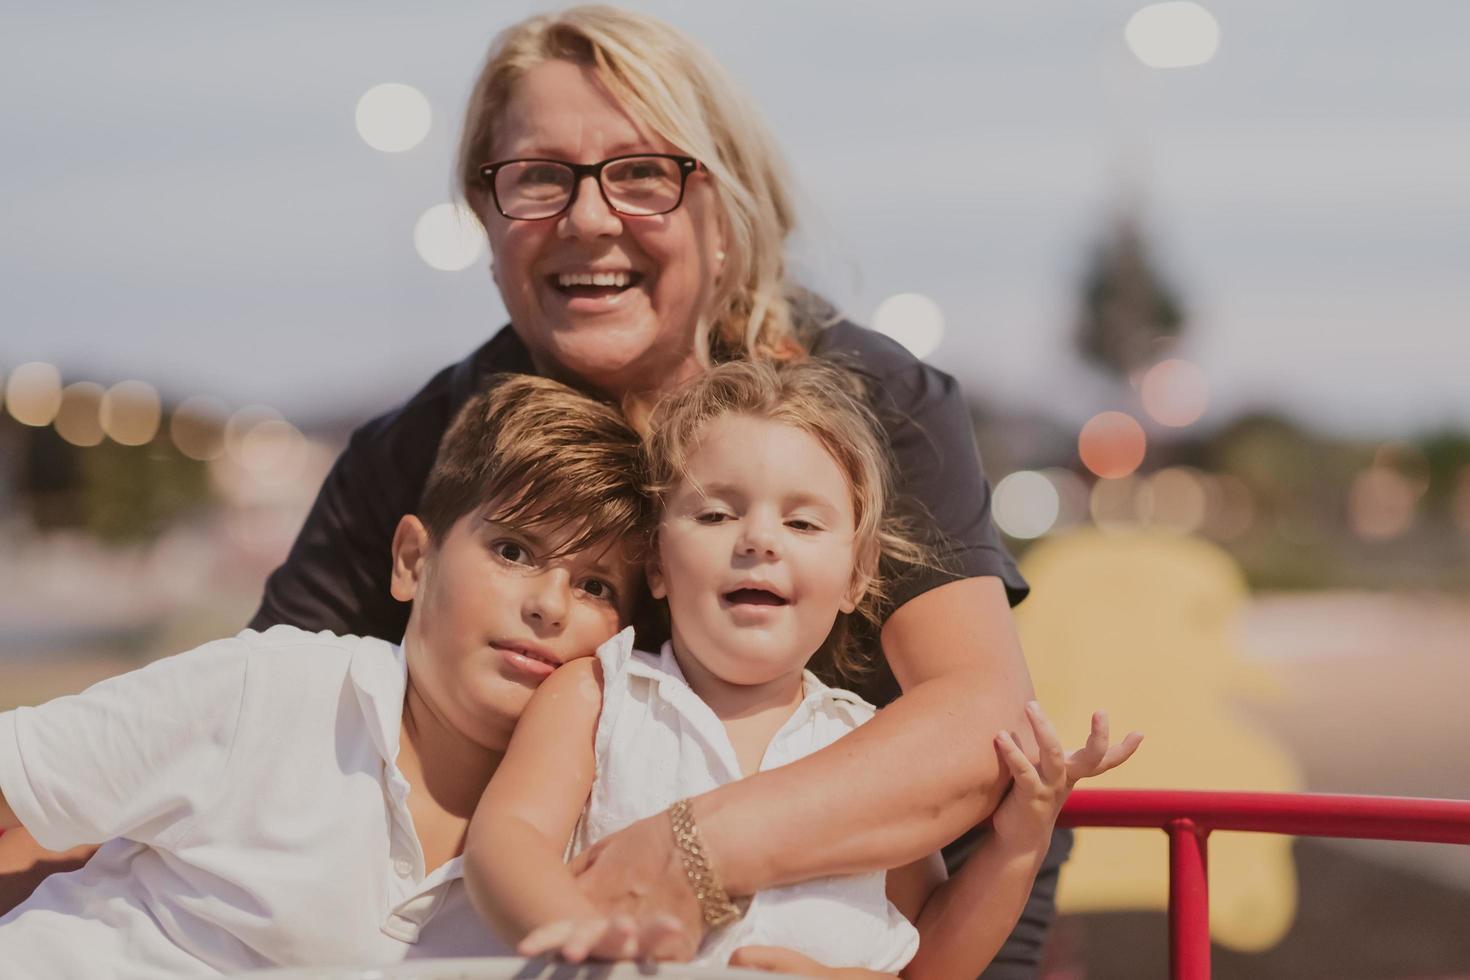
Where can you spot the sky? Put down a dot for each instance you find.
(187, 200)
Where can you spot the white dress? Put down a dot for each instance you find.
(658, 743)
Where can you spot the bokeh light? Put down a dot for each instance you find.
(1175, 392)
(393, 117)
(1114, 504)
(240, 425)
(130, 413)
(912, 319)
(1112, 445)
(1231, 509)
(197, 427)
(1176, 499)
(273, 451)
(79, 419)
(449, 237)
(1025, 505)
(1380, 504)
(1073, 497)
(1178, 34)
(33, 393)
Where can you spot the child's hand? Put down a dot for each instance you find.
(616, 938)
(1026, 816)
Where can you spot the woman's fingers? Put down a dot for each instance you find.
(664, 938)
(544, 939)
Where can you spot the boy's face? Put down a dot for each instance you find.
(493, 616)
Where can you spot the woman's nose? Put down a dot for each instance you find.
(589, 215)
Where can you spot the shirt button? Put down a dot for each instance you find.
(404, 867)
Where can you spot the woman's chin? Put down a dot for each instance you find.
(616, 351)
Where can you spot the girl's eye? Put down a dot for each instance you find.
(712, 517)
(512, 552)
(598, 589)
(802, 524)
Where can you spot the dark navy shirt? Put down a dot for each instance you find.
(336, 576)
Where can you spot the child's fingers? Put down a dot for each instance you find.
(1022, 771)
(1119, 754)
(1053, 767)
(1084, 761)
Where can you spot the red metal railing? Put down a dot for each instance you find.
(1188, 816)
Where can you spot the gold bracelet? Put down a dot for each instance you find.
(714, 901)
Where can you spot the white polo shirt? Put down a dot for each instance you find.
(253, 811)
(657, 742)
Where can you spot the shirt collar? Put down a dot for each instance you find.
(380, 682)
(672, 685)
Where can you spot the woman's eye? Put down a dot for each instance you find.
(510, 551)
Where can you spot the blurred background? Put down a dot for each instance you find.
(1202, 270)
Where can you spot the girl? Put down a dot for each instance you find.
(772, 491)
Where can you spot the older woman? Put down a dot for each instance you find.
(637, 213)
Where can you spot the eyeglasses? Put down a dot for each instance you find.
(637, 185)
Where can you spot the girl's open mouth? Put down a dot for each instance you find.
(754, 597)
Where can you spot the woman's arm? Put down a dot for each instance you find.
(965, 920)
(880, 797)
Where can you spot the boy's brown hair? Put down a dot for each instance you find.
(830, 404)
(539, 453)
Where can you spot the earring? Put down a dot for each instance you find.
(720, 256)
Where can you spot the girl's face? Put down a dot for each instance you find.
(639, 333)
(756, 550)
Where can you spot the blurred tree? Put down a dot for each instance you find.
(1448, 455)
(1126, 308)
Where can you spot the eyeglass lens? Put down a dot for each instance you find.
(530, 189)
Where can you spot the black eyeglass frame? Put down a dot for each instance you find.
(581, 171)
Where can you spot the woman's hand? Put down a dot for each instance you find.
(778, 959)
(637, 872)
(1026, 816)
(618, 937)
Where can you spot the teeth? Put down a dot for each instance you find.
(618, 279)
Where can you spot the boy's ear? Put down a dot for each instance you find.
(410, 549)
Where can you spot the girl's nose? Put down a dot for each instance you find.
(757, 537)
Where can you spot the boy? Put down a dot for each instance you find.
(287, 798)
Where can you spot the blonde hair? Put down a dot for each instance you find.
(678, 89)
(829, 404)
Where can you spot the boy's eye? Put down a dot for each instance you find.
(598, 589)
(512, 552)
